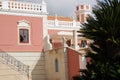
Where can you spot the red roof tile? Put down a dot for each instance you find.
(61, 18)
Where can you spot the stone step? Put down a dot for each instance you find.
(7, 73)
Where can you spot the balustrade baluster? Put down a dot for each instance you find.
(9, 60)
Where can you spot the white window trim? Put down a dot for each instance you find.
(25, 25)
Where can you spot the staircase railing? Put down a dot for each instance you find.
(14, 63)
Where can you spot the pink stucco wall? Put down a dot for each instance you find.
(73, 63)
(9, 34)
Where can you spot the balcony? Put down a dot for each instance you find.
(69, 25)
(23, 6)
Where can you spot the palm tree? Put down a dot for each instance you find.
(104, 29)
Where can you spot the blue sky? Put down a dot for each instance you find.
(63, 7)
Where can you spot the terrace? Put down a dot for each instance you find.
(23, 6)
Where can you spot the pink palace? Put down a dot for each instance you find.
(37, 46)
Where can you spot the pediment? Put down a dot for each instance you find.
(23, 23)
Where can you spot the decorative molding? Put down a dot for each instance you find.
(24, 24)
(63, 25)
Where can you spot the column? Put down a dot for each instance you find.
(75, 39)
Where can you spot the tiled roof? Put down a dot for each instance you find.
(61, 18)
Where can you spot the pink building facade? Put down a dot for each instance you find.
(29, 35)
(82, 12)
(10, 33)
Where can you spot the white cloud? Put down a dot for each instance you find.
(66, 7)
(63, 7)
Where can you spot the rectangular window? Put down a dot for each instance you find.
(56, 66)
(82, 6)
(77, 8)
(24, 35)
(78, 19)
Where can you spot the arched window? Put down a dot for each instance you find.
(68, 42)
(78, 19)
(23, 32)
(77, 8)
(83, 43)
(56, 65)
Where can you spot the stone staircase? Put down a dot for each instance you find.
(7, 73)
(12, 69)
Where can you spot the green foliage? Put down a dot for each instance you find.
(104, 29)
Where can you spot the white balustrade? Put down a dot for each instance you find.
(23, 6)
(51, 23)
(14, 63)
(63, 24)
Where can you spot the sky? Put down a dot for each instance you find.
(62, 7)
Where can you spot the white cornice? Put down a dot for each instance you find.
(21, 13)
(63, 28)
